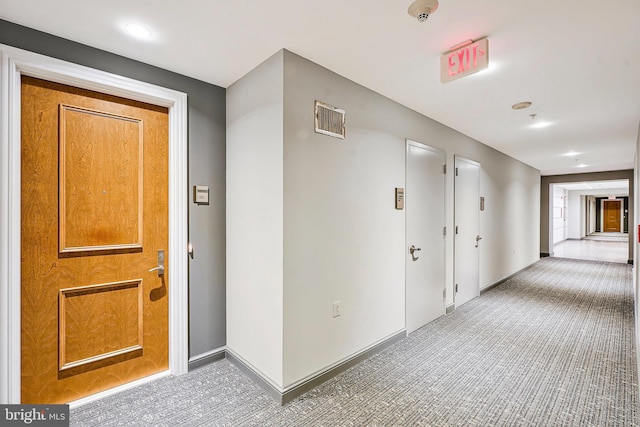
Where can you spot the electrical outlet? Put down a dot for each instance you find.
(337, 310)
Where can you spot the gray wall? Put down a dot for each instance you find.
(206, 167)
(546, 240)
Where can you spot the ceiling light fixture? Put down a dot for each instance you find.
(541, 125)
(521, 105)
(137, 30)
(421, 9)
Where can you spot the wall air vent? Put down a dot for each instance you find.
(329, 120)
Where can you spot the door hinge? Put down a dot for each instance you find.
(444, 293)
(444, 168)
(456, 287)
(456, 229)
(456, 171)
(444, 230)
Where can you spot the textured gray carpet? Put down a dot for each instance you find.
(553, 346)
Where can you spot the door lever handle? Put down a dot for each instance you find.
(478, 238)
(160, 267)
(412, 250)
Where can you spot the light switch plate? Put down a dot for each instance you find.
(399, 198)
(337, 311)
(201, 194)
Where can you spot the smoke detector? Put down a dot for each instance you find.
(421, 9)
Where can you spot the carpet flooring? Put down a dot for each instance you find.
(552, 346)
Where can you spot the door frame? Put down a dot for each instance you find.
(13, 64)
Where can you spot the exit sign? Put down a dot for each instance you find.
(467, 59)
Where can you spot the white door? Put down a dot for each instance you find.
(425, 264)
(467, 234)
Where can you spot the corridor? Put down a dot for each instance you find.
(610, 247)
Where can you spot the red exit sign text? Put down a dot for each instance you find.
(465, 60)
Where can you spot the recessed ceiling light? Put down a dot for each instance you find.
(540, 125)
(581, 165)
(571, 153)
(137, 30)
(521, 105)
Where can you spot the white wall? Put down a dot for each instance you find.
(510, 223)
(575, 215)
(343, 238)
(339, 236)
(559, 214)
(254, 219)
(592, 214)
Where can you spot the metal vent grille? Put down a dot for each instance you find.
(329, 120)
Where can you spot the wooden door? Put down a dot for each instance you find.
(94, 215)
(612, 215)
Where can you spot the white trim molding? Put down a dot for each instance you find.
(112, 391)
(13, 64)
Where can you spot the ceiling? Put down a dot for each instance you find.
(577, 61)
(598, 187)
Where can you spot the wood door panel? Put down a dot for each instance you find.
(612, 215)
(99, 321)
(45, 271)
(100, 209)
